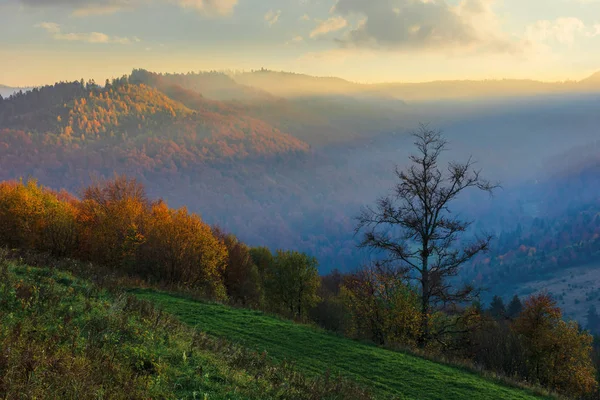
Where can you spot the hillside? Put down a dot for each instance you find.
(554, 238)
(212, 85)
(389, 373)
(75, 129)
(313, 116)
(62, 337)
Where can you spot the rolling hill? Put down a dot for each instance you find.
(71, 129)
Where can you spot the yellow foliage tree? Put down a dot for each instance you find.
(185, 250)
(559, 355)
(381, 309)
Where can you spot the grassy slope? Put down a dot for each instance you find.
(63, 338)
(388, 373)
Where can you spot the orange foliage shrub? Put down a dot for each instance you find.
(114, 224)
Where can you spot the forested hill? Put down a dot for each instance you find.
(69, 127)
(318, 118)
(559, 223)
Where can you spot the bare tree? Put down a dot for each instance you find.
(417, 231)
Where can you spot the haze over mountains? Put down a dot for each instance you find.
(6, 91)
(287, 160)
(290, 85)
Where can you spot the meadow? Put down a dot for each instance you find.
(65, 338)
(313, 351)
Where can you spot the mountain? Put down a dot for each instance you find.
(213, 85)
(64, 132)
(291, 85)
(592, 80)
(318, 119)
(288, 84)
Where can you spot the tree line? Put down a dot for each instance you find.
(114, 224)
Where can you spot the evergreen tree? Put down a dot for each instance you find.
(593, 320)
(514, 307)
(497, 308)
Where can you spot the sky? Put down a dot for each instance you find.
(44, 41)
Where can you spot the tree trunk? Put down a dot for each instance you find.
(424, 336)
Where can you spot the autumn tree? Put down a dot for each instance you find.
(291, 283)
(240, 276)
(22, 209)
(113, 213)
(558, 354)
(416, 230)
(331, 312)
(264, 261)
(60, 234)
(383, 307)
(181, 249)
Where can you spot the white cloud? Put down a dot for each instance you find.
(562, 30)
(92, 37)
(418, 25)
(295, 39)
(333, 24)
(272, 17)
(214, 7)
(50, 27)
(97, 10)
(98, 7)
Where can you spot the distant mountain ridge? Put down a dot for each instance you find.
(267, 84)
(287, 84)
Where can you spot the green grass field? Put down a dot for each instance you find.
(64, 338)
(389, 374)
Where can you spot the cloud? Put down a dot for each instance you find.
(85, 7)
(333, 24)
(211, 7)
(424, 25)
(97, 7)
(296, 39)
(562, 30)
(97, 10)
(272, 17)
(92, 37)
(305, 17)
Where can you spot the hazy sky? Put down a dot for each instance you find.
(42, 41)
